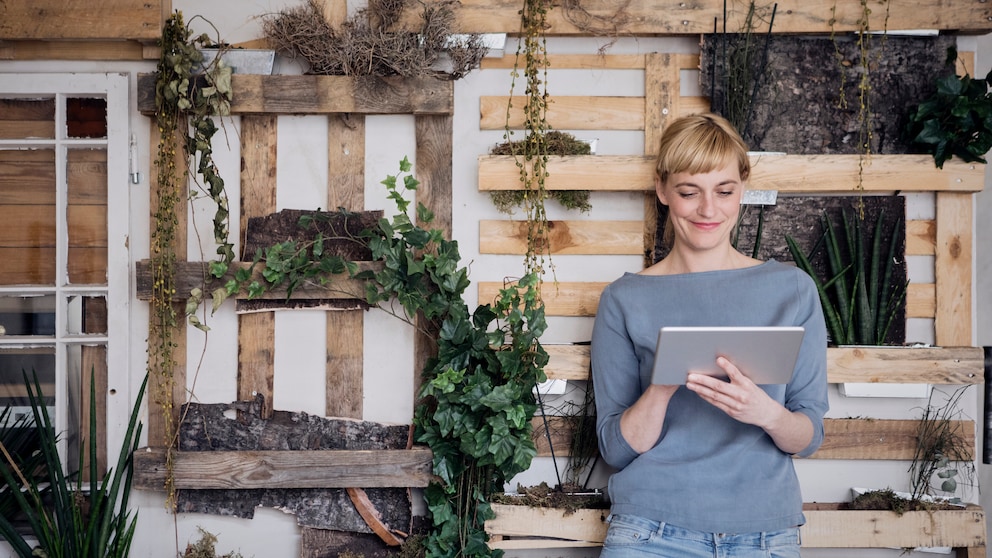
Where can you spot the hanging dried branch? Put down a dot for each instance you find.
(367, 44)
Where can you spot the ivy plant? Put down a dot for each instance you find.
(955, 121)
(477, 395)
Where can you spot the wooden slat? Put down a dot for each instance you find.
(827, 526)
(675, 17)
(86, 265)
(256, 331)
(835, 528)
(527, 521)
(290, 94)
(27, 225)
(579, 112)
(874, 439)
(927, 365)
(567, 112)
(593, 61)
(196, 274)
(74, 50)
(566, 237)
(87, 176)
(160, 384)
(345, 337)
(626, 237)
(785, 173)
(26, 118)
(560, 299)
(434, 172)
(921, 237)
(953, 268)
(663, 100)
(582, 298)
(202, 470)
(82, 19)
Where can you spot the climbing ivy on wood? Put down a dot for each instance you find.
(477, 396)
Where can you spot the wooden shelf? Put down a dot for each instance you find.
(828, 526)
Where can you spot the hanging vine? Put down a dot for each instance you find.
(186, 98)
(531, 153)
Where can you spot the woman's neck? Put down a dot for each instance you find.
(680, 261)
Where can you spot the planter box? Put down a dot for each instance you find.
(828, 526)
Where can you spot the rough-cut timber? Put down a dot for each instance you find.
(681, 17)
(82, 19)
(291, 94)
(339, 230)
(207, 428)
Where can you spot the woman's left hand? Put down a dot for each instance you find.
(740, 398)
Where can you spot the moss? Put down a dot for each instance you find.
(558, 143)
(543, 496)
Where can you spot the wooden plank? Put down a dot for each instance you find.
(785, 173)
(87, 265)
(921, 237)
(527, 521)
(578, 112)
(626, 237)
(81, 19)
(662, 93)
(93, 358)
(880, 439)
(87, 176)
(827, 526)
(836, 528)
(73, 50)
(592, 61)
(581, 298)
(675, 17)
(434, 172)
(953, 268)
(566, 237)
(927, 365)
(560, 298)
(274, 469)
(27, 225)
(167, 388)
(307, 94)
(196, 274)
(256, 331)
(873, 439)
(345, 337)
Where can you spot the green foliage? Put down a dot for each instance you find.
(19, 440)
(955, 121)
(205, 547)
(69, 519)
(477, 394)
(858, 298)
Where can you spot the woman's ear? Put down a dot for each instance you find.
(659, 189)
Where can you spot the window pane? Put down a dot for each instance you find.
(14, 364)
(27, 217)
(87, 314)
(86, 118)
(28, 315)
(87, 215)
(27, 118)
(86, 363)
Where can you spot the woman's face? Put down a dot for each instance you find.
(703, 208)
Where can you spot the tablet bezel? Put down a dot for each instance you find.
(766, 355)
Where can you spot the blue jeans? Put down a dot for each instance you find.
(630, 536)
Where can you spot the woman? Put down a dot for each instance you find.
(705, 469)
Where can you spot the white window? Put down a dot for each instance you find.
(63, 249)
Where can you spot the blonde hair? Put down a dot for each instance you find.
(698, 144)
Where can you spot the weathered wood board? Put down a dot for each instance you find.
(206, 428)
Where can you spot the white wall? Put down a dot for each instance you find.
(299, 348)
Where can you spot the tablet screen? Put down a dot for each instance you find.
(766, 355)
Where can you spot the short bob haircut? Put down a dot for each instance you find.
(701, 143)
(698, 144)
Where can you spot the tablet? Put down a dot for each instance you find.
(766, 355)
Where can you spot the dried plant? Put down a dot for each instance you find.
(368, 43)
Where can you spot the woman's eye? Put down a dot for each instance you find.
(686, 195)
(725, 193)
